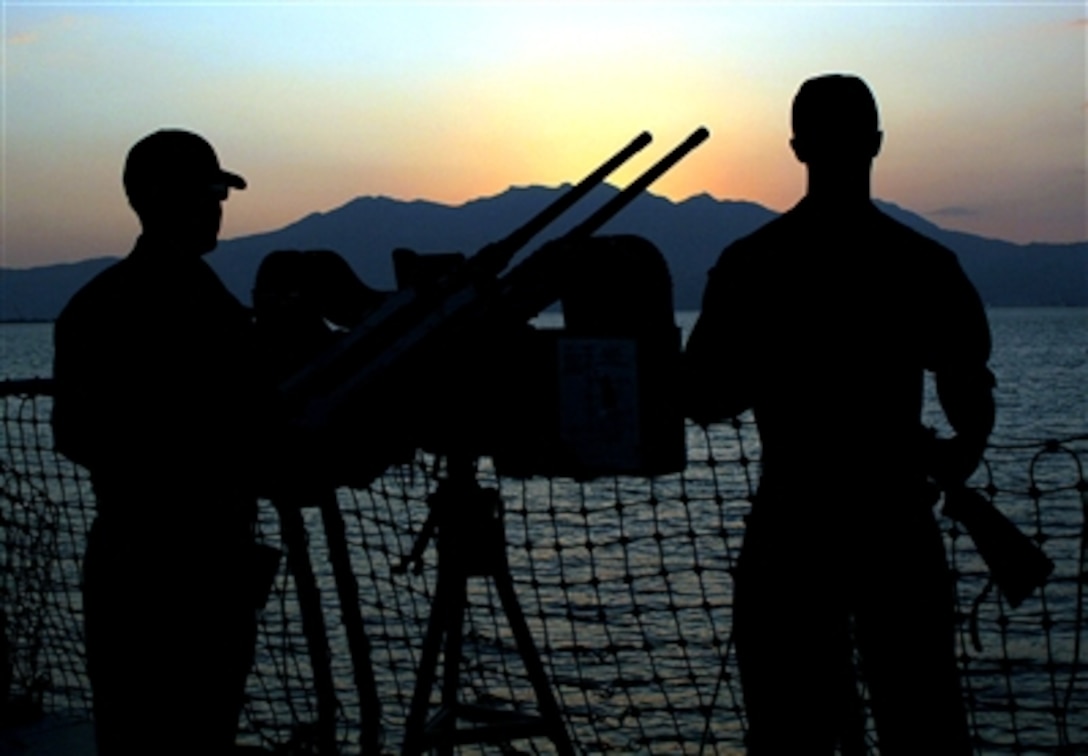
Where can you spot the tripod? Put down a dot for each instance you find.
(467, 522)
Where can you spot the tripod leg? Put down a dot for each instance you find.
(293, 531)
(549, 707)
(447, 618)
(358, 642)
(421, 697)
(451, 674)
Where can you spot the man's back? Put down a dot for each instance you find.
(824, 322)
(831, 319)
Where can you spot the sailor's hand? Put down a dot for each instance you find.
(952, 460)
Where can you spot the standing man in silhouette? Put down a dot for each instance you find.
(158, 396)
(824, 322)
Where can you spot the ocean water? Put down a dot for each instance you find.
(1040, 359)
(582, 564)
(26, 350)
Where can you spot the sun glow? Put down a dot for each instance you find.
(319, 103)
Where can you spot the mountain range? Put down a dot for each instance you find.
(690, 233)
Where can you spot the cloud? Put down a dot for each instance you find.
(954, 211)
(21, 38)
(43, 30)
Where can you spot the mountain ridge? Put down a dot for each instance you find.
(690, 233)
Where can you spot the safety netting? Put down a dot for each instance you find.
(624, 585)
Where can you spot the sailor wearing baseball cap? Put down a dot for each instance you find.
(158, 395)
(175, 161)
(175, 184)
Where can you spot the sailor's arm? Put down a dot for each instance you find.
(77, 416)
(963, 379)
(715, 384)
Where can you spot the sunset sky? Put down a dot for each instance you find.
(315, 103)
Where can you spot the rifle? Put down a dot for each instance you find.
(1017, 565)
(419, 321)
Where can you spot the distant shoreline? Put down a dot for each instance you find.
(38, 321)
(690, 236)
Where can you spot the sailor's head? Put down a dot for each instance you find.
(835, 119)
(174, 183)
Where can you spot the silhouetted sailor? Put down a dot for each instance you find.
(824, 322)
(158, 396)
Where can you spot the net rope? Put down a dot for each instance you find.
(625, 583)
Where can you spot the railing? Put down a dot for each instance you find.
(625, 584)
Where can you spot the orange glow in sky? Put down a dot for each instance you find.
(983, 104)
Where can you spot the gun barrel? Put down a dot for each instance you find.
(415, 323)
(532, 285)
(380, 337)
(496, 256)
(621, 200)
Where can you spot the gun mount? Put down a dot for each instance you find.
(405, 375)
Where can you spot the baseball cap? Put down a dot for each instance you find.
(174, 161)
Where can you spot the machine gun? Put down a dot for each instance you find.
(379, 379)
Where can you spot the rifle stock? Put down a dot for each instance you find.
(1017, 565)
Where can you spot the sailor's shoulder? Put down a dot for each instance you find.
(908, 238)
(105, 293)
(756, 248)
